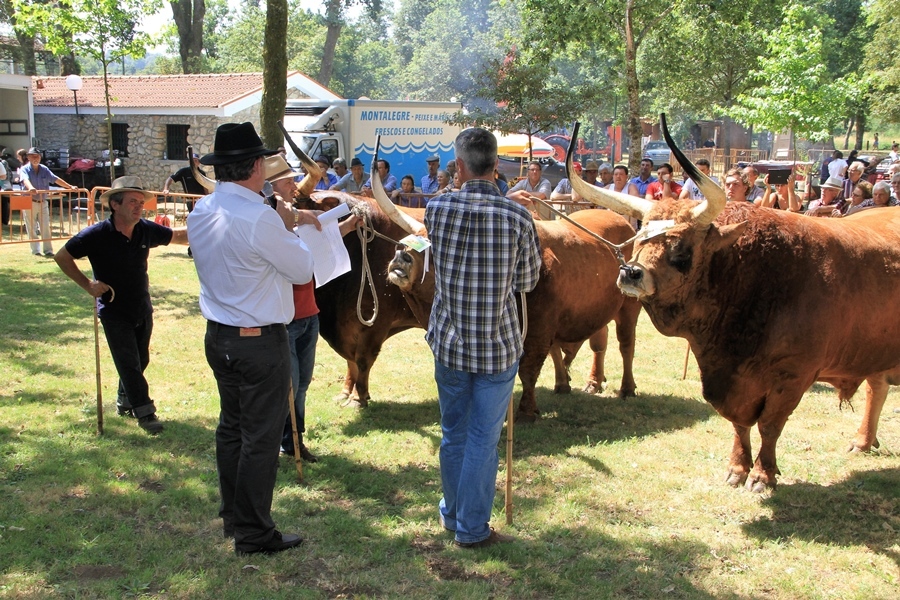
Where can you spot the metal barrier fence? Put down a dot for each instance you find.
(60, 214)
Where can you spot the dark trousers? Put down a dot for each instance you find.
(129, 344)
(254, 378)
(302, 337)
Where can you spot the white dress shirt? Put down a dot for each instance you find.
(245, 258)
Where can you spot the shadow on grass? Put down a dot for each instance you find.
(567, 419)
(855, 512)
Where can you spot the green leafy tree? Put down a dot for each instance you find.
(795, 90)
(104, 30)
(334, 22)
(882, 59)
(522, 96)
(620, 27)
(24, 52)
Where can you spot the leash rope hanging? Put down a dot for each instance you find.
(366, 234)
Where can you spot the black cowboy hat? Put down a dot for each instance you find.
(236, 142)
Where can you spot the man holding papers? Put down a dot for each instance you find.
(303, 331)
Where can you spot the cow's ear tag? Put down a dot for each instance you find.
(416, 242)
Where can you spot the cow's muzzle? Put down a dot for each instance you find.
(632, 281)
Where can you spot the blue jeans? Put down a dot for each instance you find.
(129, 345)
(302, 337)
(472, 409)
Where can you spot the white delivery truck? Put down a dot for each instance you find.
(410, 132)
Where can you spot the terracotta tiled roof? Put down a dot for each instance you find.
(151, 91)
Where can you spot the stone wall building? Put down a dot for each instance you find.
(154, 119)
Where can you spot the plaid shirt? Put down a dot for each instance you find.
(485, 251)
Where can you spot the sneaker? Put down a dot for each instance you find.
(494, 538)
(150, 424)
(49, 254)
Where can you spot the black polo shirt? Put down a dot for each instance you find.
(185, 177)
(121, 263)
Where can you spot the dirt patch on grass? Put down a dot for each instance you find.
(446, 569)
(152, 486)
(85, 573)
(316, 574)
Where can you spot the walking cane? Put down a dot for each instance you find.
(97, 369)
(97, 358)
(687, 355)
(509, 447)
(297, 461)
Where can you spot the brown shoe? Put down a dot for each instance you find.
(494, 538)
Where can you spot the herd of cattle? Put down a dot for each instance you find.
(769, 301)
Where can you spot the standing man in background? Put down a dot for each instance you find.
(36, 178)
(118, 249)
(430, 182)
(485, 251)
(247, 259)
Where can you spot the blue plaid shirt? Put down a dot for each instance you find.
(485, 251)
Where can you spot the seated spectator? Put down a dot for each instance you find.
(645, 177)
(451, 169)
(690, 190)
(354, 181)
(429, 181)
(328, 178)
(736, 186)
(444, 182)
(500, 180)
(604, 175)
(756, 191)
(828, 205)
(408, 186)
(881, 198)
(854, 173)
(387, 180)
(895, 186)
(666, 187)
(861, 192)
(534, 184)
(784, 197)
(340, 167)
(563, 190)
(621, 184)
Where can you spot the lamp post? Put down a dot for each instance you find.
(74, 83)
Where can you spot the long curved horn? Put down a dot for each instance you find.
(409, 224)
(624, 204)
(313, 173)
(707, 211)
(208, 184)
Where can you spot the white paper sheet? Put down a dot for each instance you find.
(329, 254)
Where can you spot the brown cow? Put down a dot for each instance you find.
(770, 302)
(574, 300)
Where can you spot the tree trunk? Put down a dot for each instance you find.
(849, 129)
(68, 65)
(333, 20)
(860, 129)
(275, 62)
(633, 92)
(188, 16)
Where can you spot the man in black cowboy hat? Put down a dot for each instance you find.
(118, 249)
(247, 259)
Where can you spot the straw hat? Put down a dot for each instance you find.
(126, 183)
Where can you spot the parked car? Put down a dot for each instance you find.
(657, 151)
(513, 168)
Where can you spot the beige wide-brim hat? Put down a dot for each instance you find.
(126, 183)
(835, 183)
(277, 168)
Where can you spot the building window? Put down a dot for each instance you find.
(120, 138)
(176, 142)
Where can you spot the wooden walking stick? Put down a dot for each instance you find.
(297, 459)
(687, 355)
(509, 447)
(97, 369)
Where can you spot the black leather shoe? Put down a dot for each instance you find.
(124, 412)
(279, 543)
(150, 424)
(306, 455)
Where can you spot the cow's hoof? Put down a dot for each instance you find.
(856, 447)
(758, 486)
(735, 479)
(355, 403)
(627, 393)
(526, 418)
(592, 387)
(562, 389)
(341, 397)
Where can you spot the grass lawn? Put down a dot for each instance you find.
(613, 498)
